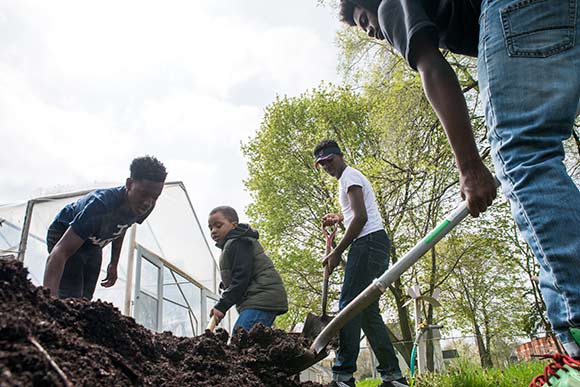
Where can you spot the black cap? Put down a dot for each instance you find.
(327, 153)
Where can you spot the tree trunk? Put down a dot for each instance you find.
(487, 340)
(430, 359)
(484, 357)
(429, 333)
(406, 345)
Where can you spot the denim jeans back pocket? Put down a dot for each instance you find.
(539, 28)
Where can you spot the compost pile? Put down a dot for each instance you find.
(93, 344)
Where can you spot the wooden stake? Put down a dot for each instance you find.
(55, 366)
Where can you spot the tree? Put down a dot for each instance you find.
(290, 195)
(484, 294)
(389, 133)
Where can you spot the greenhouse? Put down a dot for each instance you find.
(167, 275)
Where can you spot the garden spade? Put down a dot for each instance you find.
(318, 350)
(315, 324)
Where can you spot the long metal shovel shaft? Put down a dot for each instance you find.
(380, 285)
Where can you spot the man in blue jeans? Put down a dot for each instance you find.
(529, 81)
(368, 258)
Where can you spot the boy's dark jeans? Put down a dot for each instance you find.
(81, 271)
(368, 258)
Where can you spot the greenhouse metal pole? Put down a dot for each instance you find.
(130, 265)
(25, 230)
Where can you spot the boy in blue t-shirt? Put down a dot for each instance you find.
(81, 229)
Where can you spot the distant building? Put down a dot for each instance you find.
(540, 346)
(449, 354)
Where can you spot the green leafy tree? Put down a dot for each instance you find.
(392, 136)
(485, 294)
(290, 195)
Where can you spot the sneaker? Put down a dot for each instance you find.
(562, 371)
(395, 383)
(349, 383)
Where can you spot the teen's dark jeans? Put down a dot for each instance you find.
(81, 271)
(368, 258)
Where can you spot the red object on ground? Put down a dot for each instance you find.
(558, 362)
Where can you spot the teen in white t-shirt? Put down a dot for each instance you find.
(368, 257)
(352, 177)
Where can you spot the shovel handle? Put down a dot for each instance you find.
(212, 323)
(325, 290)
(329, 236)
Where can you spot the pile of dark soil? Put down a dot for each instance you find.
(93, 344)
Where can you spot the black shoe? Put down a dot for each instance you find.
(349, 383)
(396, 383)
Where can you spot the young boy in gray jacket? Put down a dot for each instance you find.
(249, 279)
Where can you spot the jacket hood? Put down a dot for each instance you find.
(242, 230)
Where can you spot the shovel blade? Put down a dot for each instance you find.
(304, 361)
(315, 324)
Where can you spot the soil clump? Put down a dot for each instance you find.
(93, 344)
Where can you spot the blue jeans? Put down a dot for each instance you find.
(250, 317)
(529, 77)
(368, 258)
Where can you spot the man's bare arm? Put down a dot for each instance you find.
(68, 244)
(360, 217)
(445, 96)
(116, 247)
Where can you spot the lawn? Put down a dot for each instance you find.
(471, 375)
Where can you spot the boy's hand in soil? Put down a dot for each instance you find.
(217, 313)
(331, 219)
(111, 276)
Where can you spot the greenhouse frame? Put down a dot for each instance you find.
(167, 275)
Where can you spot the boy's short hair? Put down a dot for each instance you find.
(347, 9)
(228, 212)
(148, 168)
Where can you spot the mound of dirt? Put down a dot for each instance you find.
(50, 342)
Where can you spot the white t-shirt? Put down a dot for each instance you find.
(350, 177)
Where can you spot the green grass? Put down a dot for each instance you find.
(471, 375)
(368, 383)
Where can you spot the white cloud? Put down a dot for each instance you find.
(86, 86)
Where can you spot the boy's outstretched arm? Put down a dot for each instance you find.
(242, 267)
(445, 96)
(116, 247)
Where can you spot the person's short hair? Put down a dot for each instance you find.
(148, 168)
(228, 212)
(347, 9)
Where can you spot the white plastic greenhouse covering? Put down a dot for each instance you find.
(168, 277)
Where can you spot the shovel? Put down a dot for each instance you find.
(213, 322)
(315, 324)
(372, 293)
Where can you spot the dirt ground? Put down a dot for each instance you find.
(93, 344)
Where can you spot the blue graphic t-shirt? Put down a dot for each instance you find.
(99, 217)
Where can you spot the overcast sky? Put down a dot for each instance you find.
(86, 86)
